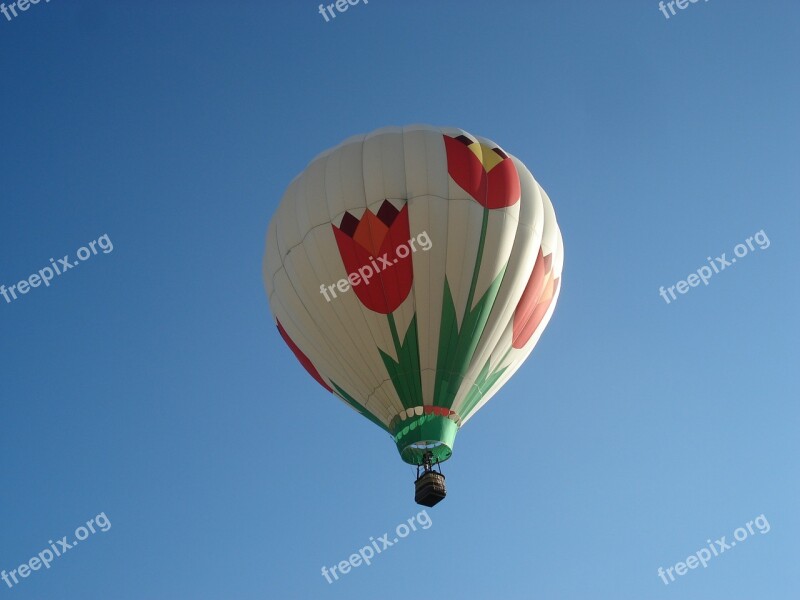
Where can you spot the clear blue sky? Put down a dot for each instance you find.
(150, 383)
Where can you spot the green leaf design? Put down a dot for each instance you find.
(483, 383)
(355, 404)
(457, 347)
(405, 372)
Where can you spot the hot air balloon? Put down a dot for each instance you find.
(411, 271)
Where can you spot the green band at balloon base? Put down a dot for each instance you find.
(425, 433)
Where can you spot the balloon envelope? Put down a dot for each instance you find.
(411, 271)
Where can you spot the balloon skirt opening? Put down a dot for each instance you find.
(425, 433)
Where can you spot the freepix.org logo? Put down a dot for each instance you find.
(366, 554)
(719, 264)
(46, 274)
(681, 4)
(340, 6)
(377, 265)
(55, 550)
(719, 546)
(10, 11)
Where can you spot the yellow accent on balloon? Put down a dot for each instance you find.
(486, 154)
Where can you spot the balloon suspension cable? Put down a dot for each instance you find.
(430, 487)
(427, 463)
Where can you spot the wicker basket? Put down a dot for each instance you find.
(430, 489)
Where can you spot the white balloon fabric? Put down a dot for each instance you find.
(412, 270)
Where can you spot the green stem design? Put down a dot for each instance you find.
(405, 371)
(505, 356)
(395, 336)
(457, 344)
(481, 244)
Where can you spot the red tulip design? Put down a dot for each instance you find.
(380, 277)
(304, 360)
(535, 300)
(487, 174)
